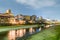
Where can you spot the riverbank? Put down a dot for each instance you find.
(7, 28)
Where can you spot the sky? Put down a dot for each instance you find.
(45, 8)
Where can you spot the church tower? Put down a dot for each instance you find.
(8, 11)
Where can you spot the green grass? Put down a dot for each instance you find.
(57, 29)
(7, 28)
(52, 33)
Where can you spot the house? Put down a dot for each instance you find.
(20, 19)
(7, 17)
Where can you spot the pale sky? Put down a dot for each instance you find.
(45, 8)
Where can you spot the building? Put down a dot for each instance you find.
(27, 17)
(7, 17)
(33, 17)
(41, 18)
(20, 19)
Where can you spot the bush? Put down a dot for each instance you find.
(5, 24)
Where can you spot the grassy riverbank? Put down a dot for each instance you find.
(52, 33)
(7, 28)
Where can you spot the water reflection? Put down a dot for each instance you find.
(13, 34)
(16, 33)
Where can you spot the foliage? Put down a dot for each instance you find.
(5, 24)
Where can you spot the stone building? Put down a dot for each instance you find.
(33, 17)
(27, 17)
(7, 17)
(20, 19)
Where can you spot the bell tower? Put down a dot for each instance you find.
(8, 11)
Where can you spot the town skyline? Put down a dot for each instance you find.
(45, 8)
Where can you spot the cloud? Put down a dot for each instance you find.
(37, 3)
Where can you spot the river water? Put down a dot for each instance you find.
(15, 34)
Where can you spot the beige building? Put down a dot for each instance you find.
(7, 17)
(20, 19)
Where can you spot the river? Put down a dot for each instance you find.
(16, 34)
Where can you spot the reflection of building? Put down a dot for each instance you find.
(7, 17)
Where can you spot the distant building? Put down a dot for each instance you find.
(37, 18)
(41, 18)
(20, 19)
(27, 17)
(7, 17)
(33, 17)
